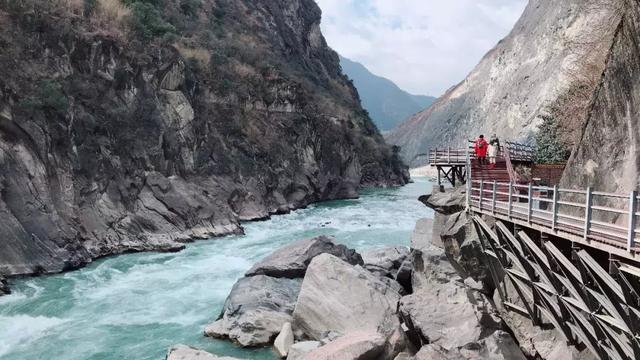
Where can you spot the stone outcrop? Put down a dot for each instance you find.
(548, 66)
(606, 157)
(183, 352)
(292, 260)
(113, 140)
(446, 202)
(256, 310)
(447, 269)
(450, 315)
(338, 297)
(462, 246)
(359, 345)
(385, 261)
(442, 310)
(422, 234)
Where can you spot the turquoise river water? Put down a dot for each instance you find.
(136, 306)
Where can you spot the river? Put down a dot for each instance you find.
(136, 306)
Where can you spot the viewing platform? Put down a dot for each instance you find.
(571, 255)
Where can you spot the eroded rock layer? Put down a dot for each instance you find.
(114, 138)
(607, 157)
(547, 67)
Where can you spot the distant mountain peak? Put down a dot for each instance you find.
(386, 102)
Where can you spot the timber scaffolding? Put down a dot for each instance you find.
(570, 255)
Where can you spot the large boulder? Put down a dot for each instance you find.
(462, 246)
(422, 235)
(448, 315)
(443, 310)
(358, 345)
(183, 352)
(343, 298)
(385, 261)
(429, 266)
(449, 202)
(292, 260)
(256, 309)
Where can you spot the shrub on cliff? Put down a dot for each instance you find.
(549, 148)
(147, 19)
(49, 96)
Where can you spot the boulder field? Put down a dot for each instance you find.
(316, 299)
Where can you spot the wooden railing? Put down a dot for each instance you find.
(448, 156)
(512, 172)
(593, 216)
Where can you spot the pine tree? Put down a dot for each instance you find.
(549, 149)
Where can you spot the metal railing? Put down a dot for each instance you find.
(448, 156)
(594, 216)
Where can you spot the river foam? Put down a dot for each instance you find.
(135, 306)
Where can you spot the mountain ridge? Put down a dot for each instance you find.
(547, 66)
(385, 101)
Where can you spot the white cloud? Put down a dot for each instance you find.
(424, 46)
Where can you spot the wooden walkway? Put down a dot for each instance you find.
(576, 215)
(605, 221)
(586, 302)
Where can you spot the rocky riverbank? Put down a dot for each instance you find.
(314, 299)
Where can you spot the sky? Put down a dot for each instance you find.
(424, 46)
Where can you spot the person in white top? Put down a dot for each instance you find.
(492, 152)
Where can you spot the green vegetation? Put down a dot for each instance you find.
(148, 21)
(190, 7)
(549, 148)
(49, 96)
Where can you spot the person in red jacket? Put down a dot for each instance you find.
(481, 146)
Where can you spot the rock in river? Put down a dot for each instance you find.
(4, 287)
(343, 298)
(256, 309)
(292, 260)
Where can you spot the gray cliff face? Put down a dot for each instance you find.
(110, 143)
(608, 156)
(547, 66)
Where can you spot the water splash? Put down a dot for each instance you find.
(136, 306)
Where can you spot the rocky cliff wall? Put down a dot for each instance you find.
(607, 156)
(139, 127)
(548, 66)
